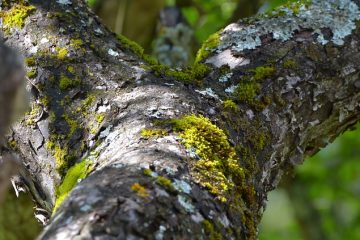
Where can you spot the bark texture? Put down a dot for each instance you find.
(178, 155)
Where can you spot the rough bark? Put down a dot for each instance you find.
(297, 78)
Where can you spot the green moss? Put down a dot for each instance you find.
(13, 145)
(45, 101)
(30, 61)
(148, 133)
(230, 105)
(71, 69)
(210, 230)
(290, 64)
(75, 174)
(246, 91)
(99, 117)
(62, 53)
(194, 74)
(15, 17)
(148, 172)
(34, 113)
(166, 183)
(140, 190)
(210, 44)
(32, 73)
(131, 45)
(62, 158)
(72, 124)
(150, 59)
(76, 43)
(263, 72)
(224, 69)
(66, 83)
(218, 169)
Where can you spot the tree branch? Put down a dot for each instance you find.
(274, 89)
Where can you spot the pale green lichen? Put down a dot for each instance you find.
(73, 175)
(15, 17)
(218, 168)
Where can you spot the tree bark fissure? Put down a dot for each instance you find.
(93, 98)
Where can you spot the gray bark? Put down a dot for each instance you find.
(309, 95)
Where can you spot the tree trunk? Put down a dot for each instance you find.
(177, 154)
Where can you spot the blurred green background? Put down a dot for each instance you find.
(321, 200)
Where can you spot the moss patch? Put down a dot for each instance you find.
(263, 72)
(140, 190)
(131, 45)
(75, 174)
(148, 133)
(230, 105)
(218, 169)
(66, 82)
(15, 17)
(211, 43)
(166, 183)
(32, 73)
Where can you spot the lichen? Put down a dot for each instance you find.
(210, 44)
(140, 190)
(15, 17)
(218, 168)
(337, 16)
(148, 133)
(73, 175)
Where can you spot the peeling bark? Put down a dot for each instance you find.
(277, 96)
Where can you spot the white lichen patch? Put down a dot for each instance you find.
(230, 89)
(208, 92)
(113, 53)
(185, 203)
(339, 16)
(64, 2)
(182, 186)
(226, 77)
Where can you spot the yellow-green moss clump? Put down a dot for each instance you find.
(30, 61)
(218, 168)
(66, 83)
(15, 17)
(211, 43)
(230, 105)
(140, 190)
(166, 183)
(62, 53)
(148, 133)
(32, 73)
(75, 174)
